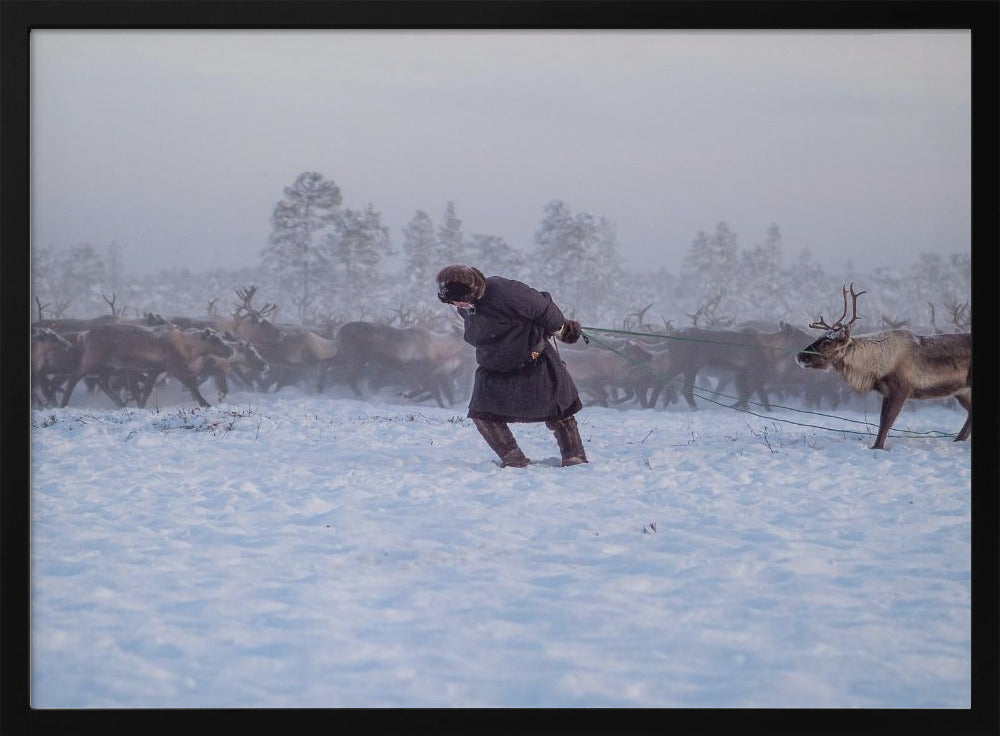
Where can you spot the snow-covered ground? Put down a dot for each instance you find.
(297, 550)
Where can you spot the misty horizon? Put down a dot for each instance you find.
(176, 145)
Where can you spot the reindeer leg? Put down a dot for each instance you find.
(37, 399)
(656, 389)
(743, 391)
(68, 391)
(146, 388)
(282, 379)
(102, 383)
(192, 386)
(136, 388)
(441, 390)
(242, 378)
(892, 403)
(627, 394)
(689, 388)
(353, 374)
(966, 402)
(48, 388)
(760, 387)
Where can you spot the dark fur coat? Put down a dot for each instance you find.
(509, 320)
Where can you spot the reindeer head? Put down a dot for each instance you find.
(49, 338)
(822, 353)
(152, 319)
(46, 344)
(216, 345)
(246, 352)
(252, 323)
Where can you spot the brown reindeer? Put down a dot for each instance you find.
(614, 375)
(757, 358)
(244, 363)
(67, 325)
(47, 348)
(292, 354)
(429, 361)
(115, 348)
(897, 364)
(289, 350)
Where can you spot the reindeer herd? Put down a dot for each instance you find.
(126, 359)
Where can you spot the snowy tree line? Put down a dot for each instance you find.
(325, 263)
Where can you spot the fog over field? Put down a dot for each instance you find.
(176, 144)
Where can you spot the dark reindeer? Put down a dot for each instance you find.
(244, 363)
(427, 360)
(47, 348)
(757, 358)
(611, 376)
(290, 351)
(897, 364)
(140, 351)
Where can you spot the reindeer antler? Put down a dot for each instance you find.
(821, 323)
(247, 294)
(708, 310)
(961, 315)
(111, 303)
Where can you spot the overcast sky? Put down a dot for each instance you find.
(177, 144)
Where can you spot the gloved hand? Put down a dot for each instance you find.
(570, 331)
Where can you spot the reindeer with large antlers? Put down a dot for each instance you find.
(898, 364)
(289, 350)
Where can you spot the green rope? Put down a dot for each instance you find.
(644, 365)
(663, 336)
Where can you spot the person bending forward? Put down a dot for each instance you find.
(519, 377)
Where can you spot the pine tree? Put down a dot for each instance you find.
(310, 205)
(710, 263)
(420, 258)
(356, 248)
(492, 255)
(809, 290)
(114, 264)
(759, 291)
(81, 277)
(450, 242)
(579, 254)
(43, 275)
(709, 272)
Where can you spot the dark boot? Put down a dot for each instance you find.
(568, 437)
(501, 440)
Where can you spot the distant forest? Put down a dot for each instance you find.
(326, 264)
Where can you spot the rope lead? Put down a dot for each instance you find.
(644, 365)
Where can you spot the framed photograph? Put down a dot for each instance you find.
(463, 363)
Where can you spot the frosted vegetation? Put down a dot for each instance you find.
(326, 263)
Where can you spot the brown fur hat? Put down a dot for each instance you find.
(460, 284)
